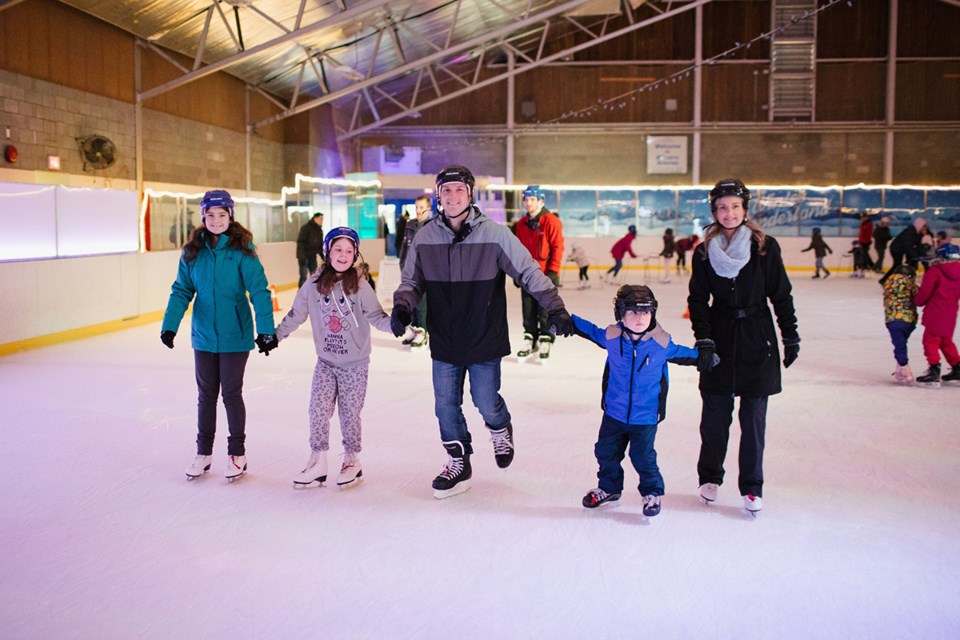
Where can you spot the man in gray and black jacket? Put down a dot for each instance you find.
(460, 260)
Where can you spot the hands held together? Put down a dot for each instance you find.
(266, 343)
(400, 318)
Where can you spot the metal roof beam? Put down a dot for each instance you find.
(383, 120)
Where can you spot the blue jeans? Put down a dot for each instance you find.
(899, 334)
(448, 382)
(611, 447)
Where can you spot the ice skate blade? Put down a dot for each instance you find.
(442, 494)
(232, 479)
(753, 514)
(927, 385)
(191, 478)
(316, 482)
(606, 506)
(351, 483)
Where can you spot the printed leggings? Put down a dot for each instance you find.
(345, 387)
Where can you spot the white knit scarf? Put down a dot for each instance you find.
(727, 257)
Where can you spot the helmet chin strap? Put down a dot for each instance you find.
(462, 213)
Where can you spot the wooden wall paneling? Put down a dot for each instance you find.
(727, 23)
(735, 92)
(924, 31)
(261, 108)
(483, 106)
(928, 91)
(851, 91)
(858, 31)
(665, 40)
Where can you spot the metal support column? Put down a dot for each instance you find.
(697, 97)
(891, 110)
(511, 106)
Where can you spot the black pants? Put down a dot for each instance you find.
(307, 267)
(715, 421)
(216, 371)
(534, 316)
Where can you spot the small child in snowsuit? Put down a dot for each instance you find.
(900, 316)
(634, 391)
(341, 306)
(669, 246)
(579, 256)
(940, 294)
(859, 259)
(820, 250)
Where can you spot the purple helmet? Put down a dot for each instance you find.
(216, 198)
(340, 232)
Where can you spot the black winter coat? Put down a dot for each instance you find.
(734, 313)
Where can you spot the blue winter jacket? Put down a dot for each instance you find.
(635, 380)
(220, 279)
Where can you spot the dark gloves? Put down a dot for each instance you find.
(554, 277)
(791, 349)
(560, 322)
(267, 342)
(166, 337)
(400, 319)
(707, 358)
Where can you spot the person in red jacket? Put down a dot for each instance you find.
(866, 237)
(940, 292)
(621, 248)
(541, 232)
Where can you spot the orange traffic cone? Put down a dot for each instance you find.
(273, 297)
(686, 314)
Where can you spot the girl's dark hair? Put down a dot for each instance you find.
(238, 238)
(328, 276)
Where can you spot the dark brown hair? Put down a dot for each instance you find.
(349, 279)
(238, 238)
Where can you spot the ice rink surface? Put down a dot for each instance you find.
(103, 538)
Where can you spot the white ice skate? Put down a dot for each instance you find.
(201, 464)
(709, 492)
(903, 374)
(753, 504)
(350, 472)
(315, 473)
(545, 343)
(236, 467)
(420, 339)
(530, 346)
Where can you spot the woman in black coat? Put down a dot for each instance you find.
(736, 270)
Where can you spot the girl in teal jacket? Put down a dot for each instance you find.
(218, 267)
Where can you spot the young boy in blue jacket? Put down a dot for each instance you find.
(634, 400)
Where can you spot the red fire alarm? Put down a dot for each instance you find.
(10, 154)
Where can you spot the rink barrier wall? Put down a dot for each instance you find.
(46, 302)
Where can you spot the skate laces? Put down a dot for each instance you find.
(349, 460)
(452, 468)
(501, 442)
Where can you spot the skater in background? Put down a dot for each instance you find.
(541, 232)
(341, 306)
(859, 261)
(218, 268)
(634, 394)
(309, 245)
(939, 294)
(736, 270)
(416, 335)
(865, 238)
(900, 316)
(669, 246)
(364, 270)
(620, 248)
(881, 238)
(579, 257)
(683, 245)
(908, 246)
(820, 250)
(467, 317)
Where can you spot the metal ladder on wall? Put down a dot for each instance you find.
(793, 60)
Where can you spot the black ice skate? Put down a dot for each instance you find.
(651, 506)
(931, 379)
(952, 378)
(502, 440)
(600, 499)
(453, 478)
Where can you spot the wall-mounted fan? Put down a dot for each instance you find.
(98, 152)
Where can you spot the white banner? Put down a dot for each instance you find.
(666, 154)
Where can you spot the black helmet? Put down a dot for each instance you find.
(729, 187)
(634, 297)
(456, 173)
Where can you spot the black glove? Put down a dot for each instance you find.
(791, 349)
(400, 319)
(267, 342)
(560, 322)
(554, 277)
(166, 337)
(707, 358)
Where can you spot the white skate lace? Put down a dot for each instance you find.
(452, 469)
(599, 495)
(501, 442)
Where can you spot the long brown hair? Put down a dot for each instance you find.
(238, 238)
(349, 279)
(711, 231)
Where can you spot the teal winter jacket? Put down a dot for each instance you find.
(220, 279)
